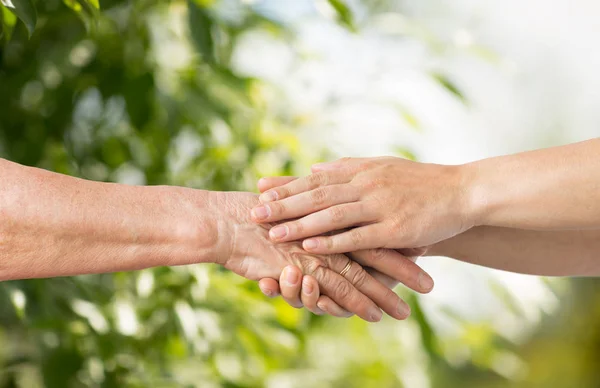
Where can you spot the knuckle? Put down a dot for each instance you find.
(337, 214)
(356, 236)
(316, 180)
(313, 180)
(283, 192)
(277, 208)
(329, 243)
(373, 183)
(298, 259)
(403, 265)
(319, 196)
(390, 296)
(313, 267)
(360, 278)
(344, 291)
(378, 253)
(397, 224)
(297, 227)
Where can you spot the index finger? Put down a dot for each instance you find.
(267, 183)
(307, 183)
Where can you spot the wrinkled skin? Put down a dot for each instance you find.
(249, 252)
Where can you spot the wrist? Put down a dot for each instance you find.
(475, 204)
(190, 221)
(222, 229)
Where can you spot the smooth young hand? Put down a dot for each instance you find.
(387, 202)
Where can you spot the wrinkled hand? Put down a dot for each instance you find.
(299, 290)
(303, 290)
(249, 252)
(388, 202)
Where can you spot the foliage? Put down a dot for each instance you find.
(93, 99)
(142, 92)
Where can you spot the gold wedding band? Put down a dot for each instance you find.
(346, 268)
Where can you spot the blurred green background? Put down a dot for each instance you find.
(146, 92)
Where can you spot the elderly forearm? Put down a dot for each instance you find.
(549, 253)
(56, 225)
(554, 188)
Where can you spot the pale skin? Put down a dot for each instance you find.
(536, 212)
(55, 225)
(395, 203)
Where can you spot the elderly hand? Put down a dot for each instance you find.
(249, 252)
(388, 202)
(299, 290)
(303, 290)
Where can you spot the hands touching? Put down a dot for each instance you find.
(386, 266)
(387, 202)
(249, 252)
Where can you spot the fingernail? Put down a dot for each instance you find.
(425, 281)
(403, 310)
(291, 277)
(307, 287)
(375, 314)
(321, 305)
(269, 196)
(311, 244)
(266, 291)
(261, 212)
(278, 232)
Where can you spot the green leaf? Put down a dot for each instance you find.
(25, 11)
(201, 25)
(89, 6)
(7, 23)
(344, 13)
(449, 85)
(87, 10)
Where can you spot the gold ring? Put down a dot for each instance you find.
(346, 268)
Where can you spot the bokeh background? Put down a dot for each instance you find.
(213, 94)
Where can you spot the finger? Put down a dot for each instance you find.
(336, 164)
(307, 203)
(387, 281)
(381, 295)
(346, 295)
(327, 305)
(328, 220)
(397, 266)
(310, 294)
(269, 287)
(267, 183)
(356, 239)
(307, 183)
(290, 284)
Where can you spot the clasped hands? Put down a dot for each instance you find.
(363, 222)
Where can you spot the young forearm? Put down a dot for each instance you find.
(55, 225)
(549, 253)
(554, 188)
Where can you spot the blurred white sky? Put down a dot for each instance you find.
(529, 71)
